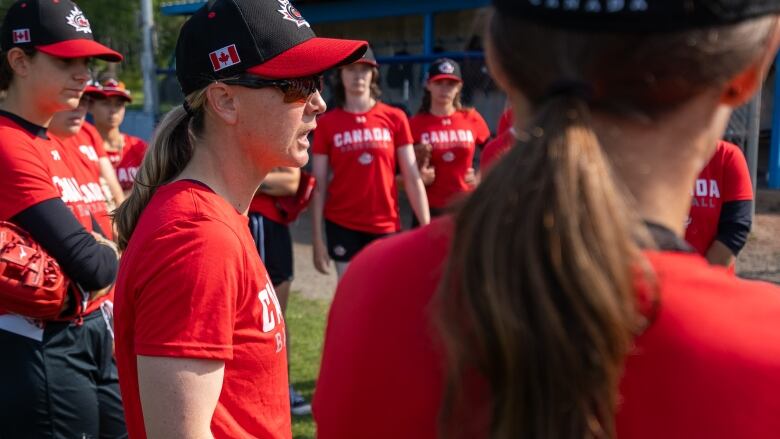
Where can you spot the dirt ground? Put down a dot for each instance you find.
(759, 260)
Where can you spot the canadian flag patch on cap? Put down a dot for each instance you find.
(21, 36)
(224, 57)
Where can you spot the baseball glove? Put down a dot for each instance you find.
(32, 284)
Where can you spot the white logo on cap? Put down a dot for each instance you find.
(21, 36)
(289, 12)
(224, 57)
(593, 6)
(77, 19)
(446, 67)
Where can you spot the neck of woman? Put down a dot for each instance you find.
(112, 137)
(21, 105)
(359, 103)
(439, 109)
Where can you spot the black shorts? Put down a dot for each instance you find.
(274, 244)
(344, 243)
(64, 386)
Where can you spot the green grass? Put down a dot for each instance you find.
(306, 322)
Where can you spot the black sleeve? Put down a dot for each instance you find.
(734, 224)
(51, 224)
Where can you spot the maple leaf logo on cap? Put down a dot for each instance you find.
(446, 67)
(289, 12)
(77, 19)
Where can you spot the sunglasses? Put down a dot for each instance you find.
(295, 90)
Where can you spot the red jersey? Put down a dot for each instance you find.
(131, 157)
(495, 149)
(505, 122)
(37, 168)
(361, 150)
(708, 366)
(88, 147)
(266, 205)
(725, 178)
(192, 285)
(454, 139)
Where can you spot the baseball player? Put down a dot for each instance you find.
(57, 376)
(201, 346)
(721, 208)
(270, 229)
(452, 131)
(109, 99)
(360, 142)
(561, 299)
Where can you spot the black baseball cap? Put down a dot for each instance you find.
(55, 27)
(368, 58)
(268, 38)
(636, 15)
(444, 68)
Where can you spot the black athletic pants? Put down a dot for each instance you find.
(64, 386)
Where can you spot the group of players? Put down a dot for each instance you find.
(557, 300)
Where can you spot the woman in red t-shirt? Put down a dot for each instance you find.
(561, 301)
(359, 143)
(450, 132)
(126, 152)
(201, 348)
(722, 207)
(57, 375)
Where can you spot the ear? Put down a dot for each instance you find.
(222, 101)
(19, 62)
(740, 89)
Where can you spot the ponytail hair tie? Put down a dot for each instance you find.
(188, 109)
(568, 88)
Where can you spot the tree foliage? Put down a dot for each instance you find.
(117, 24)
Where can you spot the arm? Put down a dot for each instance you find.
(281, 182)
(84, 260)
(109, 175)
(413, 184)
(320, 252)
(179, 395)
(733, 229)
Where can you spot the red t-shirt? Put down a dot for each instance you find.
(495, 149)
(454, 139)
(192, 285)
(266, 205)
(36, 169)
(708, 366)
(88, 148)
(131, 157)
(725, 178)
(505, 122)
(361, 150)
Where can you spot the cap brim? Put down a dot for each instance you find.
(311, 57)
(80, 48)
(439, 77)
(109, 93)
(367, 61)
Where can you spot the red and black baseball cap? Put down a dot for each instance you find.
(55, 27)
(268, 38)
(368, 58)
(636, 15)
(108, 88)
(444, 68)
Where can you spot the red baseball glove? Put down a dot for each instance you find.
(32, 284)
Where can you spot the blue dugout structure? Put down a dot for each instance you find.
(336, 11)
(329, 12)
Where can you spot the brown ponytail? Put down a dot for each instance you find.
(537, 294)
(169, 152)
